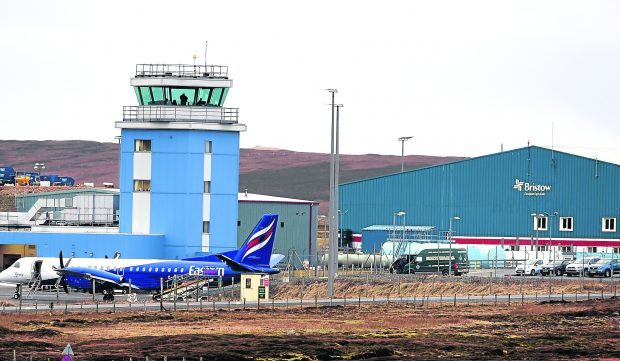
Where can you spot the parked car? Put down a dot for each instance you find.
(557, 267)
(530, 267)
(433, 260)
(580, 266)
(604, 267)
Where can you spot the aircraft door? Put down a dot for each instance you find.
(36, 269)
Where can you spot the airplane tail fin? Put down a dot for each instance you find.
(256, 250)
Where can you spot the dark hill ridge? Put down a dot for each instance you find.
(275, 172)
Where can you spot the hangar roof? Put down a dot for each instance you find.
(252, 197)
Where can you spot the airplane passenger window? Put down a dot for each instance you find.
(150, 269)
(130, 269)
(143, 269)
(181, 270)
(175, 269)
(156, 269)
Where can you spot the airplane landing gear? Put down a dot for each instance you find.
(16, 295)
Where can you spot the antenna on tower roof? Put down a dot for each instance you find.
(206, 44)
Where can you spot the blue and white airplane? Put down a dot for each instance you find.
(254, 256)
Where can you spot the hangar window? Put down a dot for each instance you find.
(566, 224)
(592, 249)
(542, 248)
(140, 185)
(142, 145)
(540, 223)
(609, 224)
(205, 226)
(514, 248)
(566, 249)
(616, 249)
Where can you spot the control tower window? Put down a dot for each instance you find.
(140, 185)
(203, 96)
(142, 145)
(216, 95)
(159, 97)
(147, 97)
(183, 96)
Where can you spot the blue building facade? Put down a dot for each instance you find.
(532, 197)
(179, 174)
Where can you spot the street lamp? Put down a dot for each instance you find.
(455, 218)
(341, 238)
(399, 214)
(402, 154)
(39, 167)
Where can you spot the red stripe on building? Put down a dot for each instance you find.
(541, 242)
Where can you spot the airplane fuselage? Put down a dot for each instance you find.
(144, 274)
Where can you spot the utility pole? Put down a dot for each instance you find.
(333, 215)
(402, 154)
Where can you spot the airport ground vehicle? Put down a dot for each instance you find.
(604, 267)
(530, 267)
(580, 266)
(433, 260)
(7, 175)
(557, 267)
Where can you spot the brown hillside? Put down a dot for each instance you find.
(275, 172)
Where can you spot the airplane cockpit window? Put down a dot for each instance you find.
(16, 264)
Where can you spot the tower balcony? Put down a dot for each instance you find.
(181, 71)
(180, 114)
(181, 117)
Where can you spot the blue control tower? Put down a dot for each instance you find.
(180, 159)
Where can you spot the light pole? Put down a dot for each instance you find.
(545, 214)
(341, 213)
(454, 218)
(402, 140)
(535, 218)
(332, 258)
(39, 167)
(398, 214)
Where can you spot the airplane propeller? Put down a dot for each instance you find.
(62, 281)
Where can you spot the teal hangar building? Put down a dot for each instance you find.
(527, 200)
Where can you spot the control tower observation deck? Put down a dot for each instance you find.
(180, 159)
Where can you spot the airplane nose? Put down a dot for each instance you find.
(4, 276)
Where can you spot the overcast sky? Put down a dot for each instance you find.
(462, 77)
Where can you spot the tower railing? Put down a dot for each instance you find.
(181, 70)
(180, 114)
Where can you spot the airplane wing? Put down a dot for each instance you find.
(90, 274)
(236, 266)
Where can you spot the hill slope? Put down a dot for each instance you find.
(275, 172)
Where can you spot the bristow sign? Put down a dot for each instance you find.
(531, 189)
